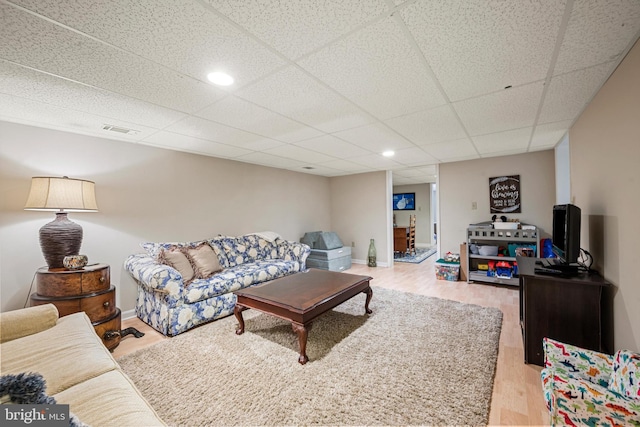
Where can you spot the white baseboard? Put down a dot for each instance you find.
(362, 261)
(129, 314)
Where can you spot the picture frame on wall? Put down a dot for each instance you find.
(504, 194)
(404, 201)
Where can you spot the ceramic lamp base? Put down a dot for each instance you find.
(59, 238)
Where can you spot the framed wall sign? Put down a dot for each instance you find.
(504, 194)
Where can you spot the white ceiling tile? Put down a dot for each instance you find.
(332, 146)
(294, 94)
(272, 161)
(476, 47)
(548, 135)
(429, 126)
(413, 156)
(319, 170)
(508, 109)
(346, 166)
(241, 114)
(568, 94)
(377, 161)
(365, 67)
(297, 153)
(501, 142)
(416, 171)
(26, 111)
(191, 39)
(45, 88)
(206, 129)
(297, 27)
(598, 31)
(40, 44)
(193, 145)
(461, 149)
(375, 137)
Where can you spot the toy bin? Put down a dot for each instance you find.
(447, 270)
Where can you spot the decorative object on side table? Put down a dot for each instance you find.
(61, 237)
(75, 262)
(86, 289)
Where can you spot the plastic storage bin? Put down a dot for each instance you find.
(446, 270)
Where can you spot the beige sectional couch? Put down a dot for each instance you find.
(76, 366)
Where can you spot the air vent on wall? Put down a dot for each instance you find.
(118, 129)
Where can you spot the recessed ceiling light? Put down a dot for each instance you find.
(220, 79)
(389, 153)
(308, 167)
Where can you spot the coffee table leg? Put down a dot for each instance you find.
(237, 311)
(369, 293)
(302, 332)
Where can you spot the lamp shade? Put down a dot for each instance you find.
(68, 194)
(61, 237)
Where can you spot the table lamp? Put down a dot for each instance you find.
(61, 237)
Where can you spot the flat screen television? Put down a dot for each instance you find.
(566, 233)
(404, 201)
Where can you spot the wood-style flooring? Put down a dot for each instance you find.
(517, 393)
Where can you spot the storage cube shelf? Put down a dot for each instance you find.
(510, 239)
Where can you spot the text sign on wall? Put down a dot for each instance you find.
(504, 194)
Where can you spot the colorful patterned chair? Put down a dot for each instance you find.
(587, 388)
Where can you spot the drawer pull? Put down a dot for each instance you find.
(102, 279)
(106, 304)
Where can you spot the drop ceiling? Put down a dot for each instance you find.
(321, 87)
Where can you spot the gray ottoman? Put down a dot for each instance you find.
(330, 259)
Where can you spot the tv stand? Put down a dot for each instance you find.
(575, 309)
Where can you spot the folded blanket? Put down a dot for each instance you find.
(270, 236)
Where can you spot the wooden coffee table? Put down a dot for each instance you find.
(301, 297)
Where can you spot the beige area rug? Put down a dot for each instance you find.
(416, 360)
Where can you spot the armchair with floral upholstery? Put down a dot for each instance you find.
(585, 387)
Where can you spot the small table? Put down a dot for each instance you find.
(400, 235)
(302, 297)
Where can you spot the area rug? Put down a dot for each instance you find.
(416, 360)
(420, 255)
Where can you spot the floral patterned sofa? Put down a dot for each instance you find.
(587, 388)
(182, 285)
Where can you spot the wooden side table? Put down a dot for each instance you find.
(89, 290)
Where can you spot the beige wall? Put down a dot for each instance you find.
(360, 207)
(424, 232)
(462, 183)
(605, 183)
(144, 194)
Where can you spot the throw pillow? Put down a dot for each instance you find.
(204, 259)
(29, 389)
(174, 257)
(626, 374)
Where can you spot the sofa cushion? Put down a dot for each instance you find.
(176, 258)
(109, 399)
(625, 378)
(19, 323)
(204, 260)
(239, 277)
(73, 339)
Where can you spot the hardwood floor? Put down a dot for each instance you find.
(517, 393)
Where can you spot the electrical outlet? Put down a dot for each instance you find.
(474, 205)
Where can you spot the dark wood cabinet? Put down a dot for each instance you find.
(574, 309)
(88, 290)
